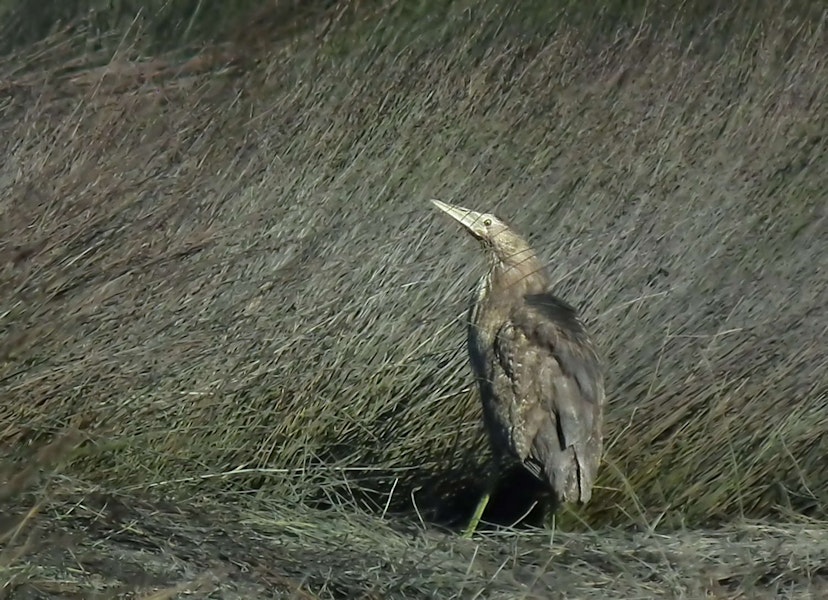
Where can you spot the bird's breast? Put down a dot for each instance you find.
(479, 336)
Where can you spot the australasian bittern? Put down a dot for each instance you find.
(540, 379)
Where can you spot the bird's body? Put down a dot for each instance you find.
(539, 377)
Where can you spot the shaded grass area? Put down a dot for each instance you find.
(223, 271)
(169, 25)
(61, 539)
(269, 555)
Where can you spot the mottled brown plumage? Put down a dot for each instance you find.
(540, 379)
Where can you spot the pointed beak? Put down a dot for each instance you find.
(467, 218)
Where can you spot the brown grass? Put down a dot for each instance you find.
(87, 544)
(223, 270)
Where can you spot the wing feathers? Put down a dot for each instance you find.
(556, 384)
(554, 324)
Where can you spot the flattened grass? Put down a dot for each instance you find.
(62, 539)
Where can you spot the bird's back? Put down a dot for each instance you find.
(541, 387)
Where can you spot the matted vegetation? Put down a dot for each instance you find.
(82, 543)
(220, 266)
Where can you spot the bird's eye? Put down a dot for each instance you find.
(487, 222)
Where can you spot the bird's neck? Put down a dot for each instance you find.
(524, 276)
(504, 284)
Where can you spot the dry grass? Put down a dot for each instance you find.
(223, 270)
(83, 543)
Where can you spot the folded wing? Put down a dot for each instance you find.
(557, 383)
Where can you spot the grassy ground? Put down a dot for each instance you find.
(107, 547)
(220, 268)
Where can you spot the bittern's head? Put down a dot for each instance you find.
(494, 235)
